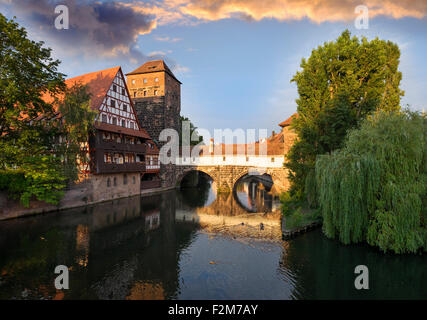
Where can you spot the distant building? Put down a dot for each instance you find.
(122, 154)
(288, 134)
(156, 94)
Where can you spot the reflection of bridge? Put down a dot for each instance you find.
(225, 176)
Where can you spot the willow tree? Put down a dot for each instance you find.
(339, 85)
(373, 189)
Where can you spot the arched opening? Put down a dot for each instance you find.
(255, 193)
(198, 189)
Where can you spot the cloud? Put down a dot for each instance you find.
(95, 28)
(316, 11)
(185, 11)
(167, 39)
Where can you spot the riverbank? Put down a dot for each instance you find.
(76, 197)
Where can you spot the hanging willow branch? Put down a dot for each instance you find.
(373, 189)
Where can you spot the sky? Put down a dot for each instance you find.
(235, 58)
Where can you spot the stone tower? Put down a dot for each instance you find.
(156, 95)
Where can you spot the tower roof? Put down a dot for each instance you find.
(153, 66)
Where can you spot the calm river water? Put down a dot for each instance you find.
(192, 244)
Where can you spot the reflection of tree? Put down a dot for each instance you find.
(324, 269)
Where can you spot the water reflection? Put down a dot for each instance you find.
(189, 244)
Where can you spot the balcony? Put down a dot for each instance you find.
(152, 167)
(119, 168)
(121, 147)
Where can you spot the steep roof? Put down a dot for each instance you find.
(288, 121)
(98, 83)
(153, 66)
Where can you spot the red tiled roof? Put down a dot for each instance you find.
(288, 121)
(153, 66)
(98, 84)
(273, 148)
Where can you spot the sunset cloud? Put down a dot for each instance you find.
(181, 11)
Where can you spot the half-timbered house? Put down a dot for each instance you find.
(121, 152)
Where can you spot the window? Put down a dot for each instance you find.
(145, 80)
(114, 88)
(115, 181)
(145, 93)
(113, 103)
(125, 179)
(133, 81)
(134, 94)
(155, 92)
(131, 126)
(272, 159)
(123, 123)
(125, 107)
(104, 118)
(156, 79)
(123, 91)
(223, 158)
(115, 121)
(108, 182)
(247, 159)
(107, 158)
(133, 180)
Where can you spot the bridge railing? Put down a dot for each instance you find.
(270, 161)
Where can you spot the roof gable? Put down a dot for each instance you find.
(98, 82)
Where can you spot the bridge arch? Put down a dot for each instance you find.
(279, 178)
(212, 174)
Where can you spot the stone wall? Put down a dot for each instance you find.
(225, 177)
(156, 113)
(93, 190)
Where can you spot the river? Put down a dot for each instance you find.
(192, 244)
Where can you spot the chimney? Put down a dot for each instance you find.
(211, 145)
(273, 133)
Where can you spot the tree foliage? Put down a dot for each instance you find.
(373, 189)
(77, 119)
(338, 86)
(32, 161)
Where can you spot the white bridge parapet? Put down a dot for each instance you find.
(271, 161)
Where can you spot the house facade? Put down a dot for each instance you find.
(122, 154)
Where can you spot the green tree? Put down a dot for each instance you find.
(193, 130)
(77, 119)
(374, 189)
(31, 158)
(339, 85)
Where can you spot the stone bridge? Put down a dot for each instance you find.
(226, 176)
